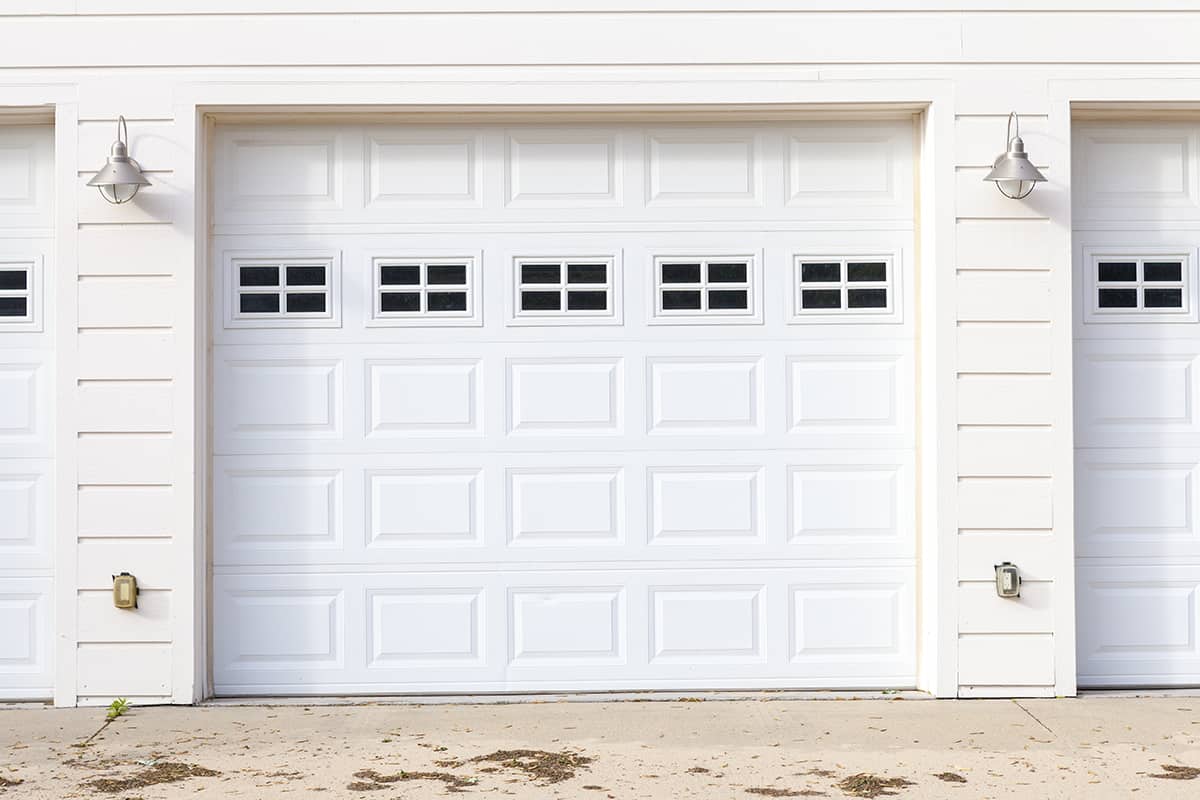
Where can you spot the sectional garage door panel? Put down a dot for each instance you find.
(26, 413)
(1137, 422)
(555, 408)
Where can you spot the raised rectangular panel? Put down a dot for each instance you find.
(19, 411)
(1151, 503)
(699, 505)
(1006, 400)
(703, 168)
(279, 508)
(411, 626)
(842, 392)
(424, 508)
(842, 166)
(549, 168)
(1147, 618)
(565, 396)
(566, 506)
(23, 648)
(847, 621)
(123, 511)
(1004, 503)
(706, 624)
(578, 625)
(18, 173)
(282, 629)
(282, 399)
(424, 397)
(1144, 168)
(21, 513)
(1137, 393)
(423, 169)
(706, 395)
(995, 659)
(843, 503)
(279, 170)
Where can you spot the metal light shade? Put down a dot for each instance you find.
(121, 177)
(1012, 172)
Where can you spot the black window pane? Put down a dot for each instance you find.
(820, 273)
(728, 298)
(447, 274)
(727, 273)
(13, 279)
(676, 300)
(400, 301)
(1118, 298)
(1163, 298)
(540, 301)
(307, 303)
(587, 301)
(447, 301)
(540, 273)
(259, 303)
(681, 273)
(306, 276)
(13, 306)
(1163, 271)
(866, 298)
(259, 276)
(400, 275)
(1118, 271)
(866, 271)
(821, 298)
(587, 273)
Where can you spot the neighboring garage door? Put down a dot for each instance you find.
(1137, 403)
(26, 412)
(563, 407)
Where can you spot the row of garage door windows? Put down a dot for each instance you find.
(708, 288)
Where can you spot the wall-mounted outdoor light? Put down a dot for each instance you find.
(121, 177)
(1012, 172)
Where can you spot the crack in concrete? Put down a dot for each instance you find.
(1032, 716)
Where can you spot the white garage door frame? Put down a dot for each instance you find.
(936, 555)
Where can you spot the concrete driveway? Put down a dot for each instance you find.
(704, 747)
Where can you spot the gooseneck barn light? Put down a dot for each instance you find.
(1012, 172)
(121, 177)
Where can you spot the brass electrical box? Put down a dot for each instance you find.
(125, 591)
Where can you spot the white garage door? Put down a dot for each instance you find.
(1137, 361)
(512, 408)
(26, 412)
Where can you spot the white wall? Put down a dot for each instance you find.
(1001, 382)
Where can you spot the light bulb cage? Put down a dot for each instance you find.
(1012, 171)
(121, 177)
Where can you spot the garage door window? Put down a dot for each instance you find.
(704, 289)
(16, 294)
(1140, 288)
(857, 287)
(295, 290)
(554, 290)
(424, 291)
